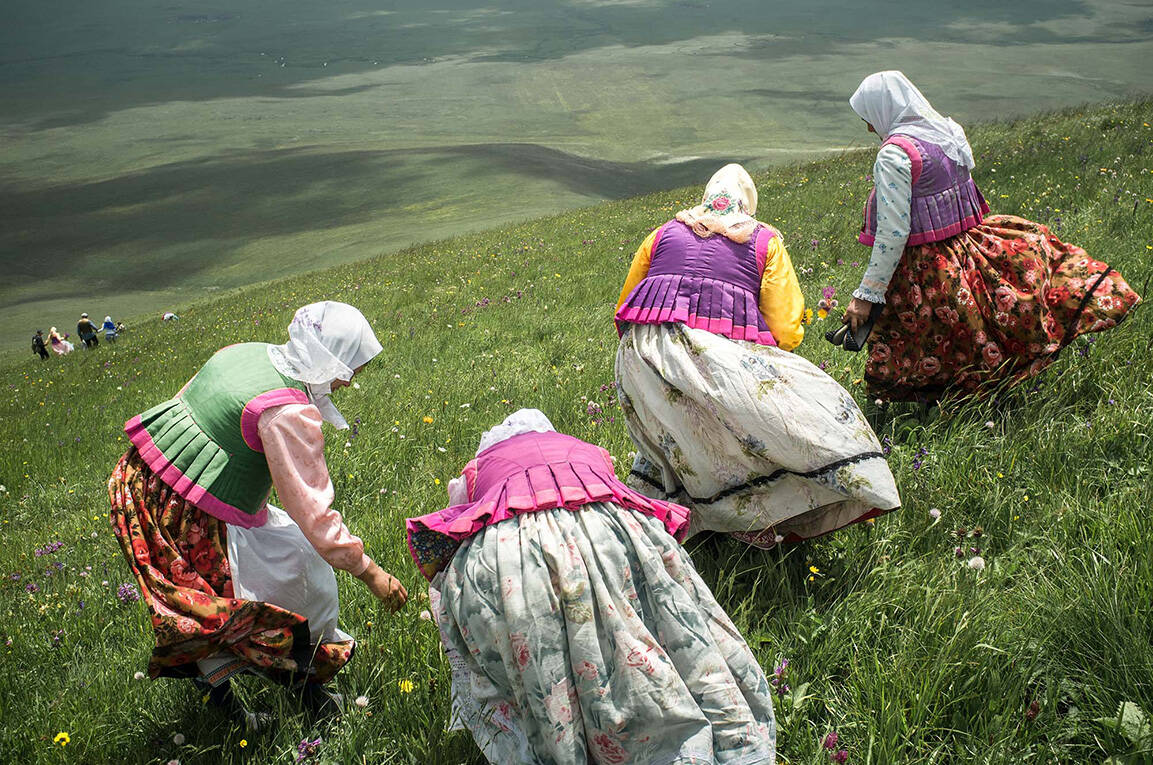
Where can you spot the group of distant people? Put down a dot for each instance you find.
(86, 329)
(577, 626)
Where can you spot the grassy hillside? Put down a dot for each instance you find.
(894, 643)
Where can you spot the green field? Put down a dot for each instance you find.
(896, 645)
(159, 153)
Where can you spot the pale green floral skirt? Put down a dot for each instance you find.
(586, 635)
(756, 441)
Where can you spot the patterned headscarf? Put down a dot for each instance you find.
(727, 207)
(326, 342)
(891, 103)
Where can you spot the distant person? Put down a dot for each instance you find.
(576, 625)
(169, 316)
(59, 343)
(757, 441)
(969, 301)
(38, 346)
(232, 583)
(86, 330)
(109, 330)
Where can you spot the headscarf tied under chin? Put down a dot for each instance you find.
(891, 103)
(727, 206)
(326, 342)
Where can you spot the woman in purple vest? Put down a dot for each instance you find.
(576, 626)
(970, 301)
(759, 442)
(233, 584)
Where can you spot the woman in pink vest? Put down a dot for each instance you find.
(233, 584)
(577, 628)
(970, 301)
(759, 442)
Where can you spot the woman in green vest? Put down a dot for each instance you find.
(232, 583)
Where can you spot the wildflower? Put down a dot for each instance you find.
(959, 552)
(843, 755)
(828, 292)
(178, 739)
(977, 563)
(127, 593)
(62, 738)
(425, 615)
(777, 539)
(361, 701)
(935, 514)
(138, 675)
(822, 313)
(306, 749)
(780, 687)
(243, 743)
(405, 685)
(173, 762)
(427, 420)
(830, 741)
(989, 424)
(808, 316)
(814, 570)
(31, 588)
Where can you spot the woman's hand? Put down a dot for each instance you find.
(386, 587)
(857, 312)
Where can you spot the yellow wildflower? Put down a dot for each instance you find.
(62, 738)
(808, 315)
(427, 420)
(243, 743)
(814, 570)
(405, 685)
(822, 313)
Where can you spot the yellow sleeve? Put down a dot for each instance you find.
(782, 304)
(640, 267)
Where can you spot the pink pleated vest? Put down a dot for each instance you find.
(524, 474)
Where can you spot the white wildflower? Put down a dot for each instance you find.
(977, 563)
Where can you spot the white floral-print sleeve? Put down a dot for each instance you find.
(893, 180)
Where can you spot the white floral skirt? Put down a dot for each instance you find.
(586, 635)
(756, 441)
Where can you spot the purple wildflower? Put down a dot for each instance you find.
(815, 243)
(840, 757)
(127, 593)
(828, 292)
(886, 445)
(830, 741)
(31, 587)
(48, 549)
(780, 687)
(308, 749)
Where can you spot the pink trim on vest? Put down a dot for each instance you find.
(250, 417)
(717, 326)
(764, 236)
(910, 148)
(933, 235)
(175, 479)
(657, 239)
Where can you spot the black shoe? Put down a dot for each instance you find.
(222, 698)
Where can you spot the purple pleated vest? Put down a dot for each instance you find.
(946, 201)
(712, 284)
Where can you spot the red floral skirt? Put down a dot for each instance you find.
(990, 306)
(179, 555)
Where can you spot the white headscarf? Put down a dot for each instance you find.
(522, 421)
(892, 105)
(727, 207)
(326, 342)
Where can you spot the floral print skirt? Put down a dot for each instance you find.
(756, 441)
(179, 555)
(988, 307)
(586, 636)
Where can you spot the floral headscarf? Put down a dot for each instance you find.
(727, 206)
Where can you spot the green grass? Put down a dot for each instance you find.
(895, 644)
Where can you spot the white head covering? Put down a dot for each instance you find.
(727, 207)
(326, 342)
(891, 103)
(522, 421)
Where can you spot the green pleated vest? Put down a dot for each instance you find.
(204, 443)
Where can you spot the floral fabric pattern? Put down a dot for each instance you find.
(756, 441)
(990, 306)
(586, 636)
(179, 556)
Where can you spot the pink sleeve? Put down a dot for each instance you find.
(294, 447)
